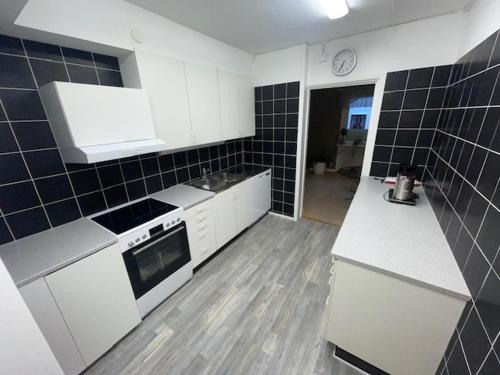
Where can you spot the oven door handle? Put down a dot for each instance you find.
(137, 252)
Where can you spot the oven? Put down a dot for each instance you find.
(151, 263)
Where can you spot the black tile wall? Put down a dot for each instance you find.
(410, 109)
(449, 122)
(275, 142)
(37, 190)
(463, 174)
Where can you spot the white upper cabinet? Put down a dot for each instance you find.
(237, 105)
(94, 123)
(192, 104)
(165, 80)
(204, 103)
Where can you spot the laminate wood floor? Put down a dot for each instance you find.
(256, 307)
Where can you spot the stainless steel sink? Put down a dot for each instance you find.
(218, 181)
(210, 183)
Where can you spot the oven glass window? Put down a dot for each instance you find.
(159, 257)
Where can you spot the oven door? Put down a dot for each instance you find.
(156, 259)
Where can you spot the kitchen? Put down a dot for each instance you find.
(152, 167)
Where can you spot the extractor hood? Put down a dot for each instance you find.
(96, 123)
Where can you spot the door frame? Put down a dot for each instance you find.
(378, 91)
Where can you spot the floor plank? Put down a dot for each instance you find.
(254, 308)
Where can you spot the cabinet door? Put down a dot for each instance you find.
(42, 306)
(244, 204)
(237, 105)
(225, 217)
(262, 194)
(201, 231)
(164, 79)
(203, 103)
(96, 300)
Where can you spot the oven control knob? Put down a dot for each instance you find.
(178, 219)
(130, 244)
(137, 239)
(167, 225)
(144, 236)
(173, 222)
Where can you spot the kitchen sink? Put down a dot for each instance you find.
(218, 181)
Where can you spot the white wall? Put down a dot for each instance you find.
(105, 27)
(23, 349)
(479, 23)
(284, 65)
(433, 41)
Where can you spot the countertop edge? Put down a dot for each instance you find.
(64, 264)
(400, 276)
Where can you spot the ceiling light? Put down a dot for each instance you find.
(335, 8)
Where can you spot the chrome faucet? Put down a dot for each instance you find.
(204, 172)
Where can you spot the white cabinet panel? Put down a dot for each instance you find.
(201, 231)
(51, 323)
(164, 79)
(244, 204)
(261, 194)
(204, 104)
(237, 105)
(225, 217)
(373, 315)
(96, 300)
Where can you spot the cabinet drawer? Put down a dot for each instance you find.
(201, 231)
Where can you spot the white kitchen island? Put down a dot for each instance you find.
(396, 290)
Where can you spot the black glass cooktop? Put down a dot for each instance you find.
(123, 219)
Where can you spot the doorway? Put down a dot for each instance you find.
(338, 126)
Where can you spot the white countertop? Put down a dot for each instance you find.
(38, 255)
(404, 241)
(183, 196)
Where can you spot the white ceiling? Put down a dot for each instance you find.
(258, 26)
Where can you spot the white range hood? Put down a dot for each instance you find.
(96, 123)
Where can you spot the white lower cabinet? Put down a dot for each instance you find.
(244, 204)
(96, 300)
(84, 308)
(201, 231)
(225, 217)
(240, 206)
(261, 194)
(51, 323)
(393, 324)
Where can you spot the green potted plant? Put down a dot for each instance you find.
(320, 161)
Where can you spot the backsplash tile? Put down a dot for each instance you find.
(449, 122)
(37, 190)
(275, 142)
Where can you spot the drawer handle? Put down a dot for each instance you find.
(205, 250)
(201, 227)
(201, 219)
(330, 280)
(202, 235)
(331, 269)
(327, 299)
(200, 210)
(268, 173)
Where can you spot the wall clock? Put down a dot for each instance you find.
(344, 62)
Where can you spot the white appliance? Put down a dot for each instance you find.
(154, 244)
(94, 123)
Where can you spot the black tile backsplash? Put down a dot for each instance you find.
(37, 190)
(275, 142)
(462, 181)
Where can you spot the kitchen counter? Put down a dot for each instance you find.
(183, 196)
(401, 240)
(38, 255)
